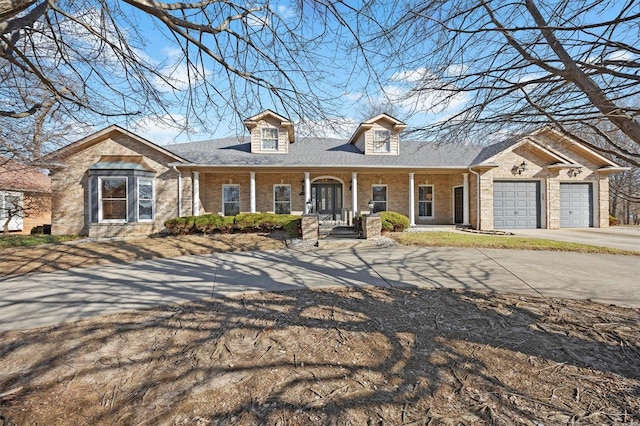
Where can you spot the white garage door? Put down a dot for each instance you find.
(516, 204)
(576, 207)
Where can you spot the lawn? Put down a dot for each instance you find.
(459, 239)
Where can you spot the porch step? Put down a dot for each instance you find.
(337, 232)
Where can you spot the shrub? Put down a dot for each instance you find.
(614, 221)
(294, 226)
(267, 222)
(180, 225)
(213, 223)
(392, 221)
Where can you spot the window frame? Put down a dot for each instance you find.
(100, 200)
(224, 213)
(386, 197)
(427, 202)
(385, 143)
(275, 202)
(263, 138)
(152, 199)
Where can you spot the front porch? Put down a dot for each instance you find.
(427, 199)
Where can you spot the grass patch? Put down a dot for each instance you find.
(33, 240)
(455, 239)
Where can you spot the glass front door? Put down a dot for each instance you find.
(327, 201)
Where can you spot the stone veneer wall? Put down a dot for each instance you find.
(537, 170)
(70, 209)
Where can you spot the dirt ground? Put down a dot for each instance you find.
(48, 258)
(359, 356)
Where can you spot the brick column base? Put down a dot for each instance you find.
(371, 226)
(310, 226)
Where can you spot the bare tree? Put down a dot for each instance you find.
(87, 58)
(516, 65)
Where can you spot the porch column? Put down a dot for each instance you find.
(412, 201)
(465, 199)
(252, 192)
(196, 194)
(307, 192)
(354, 194)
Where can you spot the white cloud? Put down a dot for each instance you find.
(340, 128)
(164, 130)
(285, 12)
(179, 76)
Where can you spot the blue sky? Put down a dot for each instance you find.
(338, 74)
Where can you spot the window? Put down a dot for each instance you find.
(145, 199)
(230, 200)
(425, 201)
(379, 197)
(381, 141)
(282, 199)
(11, 210)
(270, 139)
(112, 196)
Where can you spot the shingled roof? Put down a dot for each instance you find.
(324, 152)
(17, 176)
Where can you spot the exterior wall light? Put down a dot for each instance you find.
(519, 169)
(370, 204)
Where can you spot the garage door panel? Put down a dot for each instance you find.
(576, 206)
(516, 204)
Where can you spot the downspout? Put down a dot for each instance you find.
(477, 198)
(175, 168)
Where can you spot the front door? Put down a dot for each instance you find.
(327, 201)
(458, 205)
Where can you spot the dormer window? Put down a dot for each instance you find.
(381, 141)
(269, 139)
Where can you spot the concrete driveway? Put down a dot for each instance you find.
(618, 237)
(50, 298)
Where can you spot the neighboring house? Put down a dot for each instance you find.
(25, 197)
(117, 183)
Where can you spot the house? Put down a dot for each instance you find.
(114, 182)
(25, 197)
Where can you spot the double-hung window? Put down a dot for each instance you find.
(269, 139)
(230, 200)
(381, 141)
(112, 199)
(145, 199)
(425, 201)
(379, 197)
(282, 199)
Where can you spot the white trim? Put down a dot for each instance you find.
(89, 198)
(153, 199)
(412, 200)
(126, 200)
(334, 178)
(465, 200)
(239, 196)
(453, 204)
(307, 191)
(387, 141)
(433, 201)
(262, 139)
(354, 193)
(281, 202)
(252, 192)
(195, 194)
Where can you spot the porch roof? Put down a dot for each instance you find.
(316, 152)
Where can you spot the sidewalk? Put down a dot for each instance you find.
(49, 298)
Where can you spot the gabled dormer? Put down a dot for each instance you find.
(379, 135)
(271, 133)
